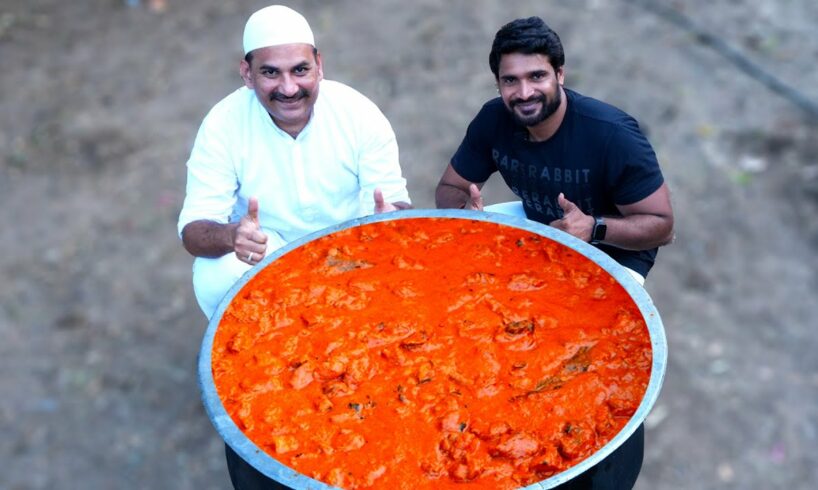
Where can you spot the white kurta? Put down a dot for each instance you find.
(324, 176)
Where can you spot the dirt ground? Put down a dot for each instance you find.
(99, 104)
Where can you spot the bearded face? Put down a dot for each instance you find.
(535, 109)
(530, 87)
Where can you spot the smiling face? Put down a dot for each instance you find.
(530, 87)
(285, 79)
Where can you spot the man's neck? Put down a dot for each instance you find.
(547, 128)
(292, 129)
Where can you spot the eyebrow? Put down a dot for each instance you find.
(526, 74)
(303, 64)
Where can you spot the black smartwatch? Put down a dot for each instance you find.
(600, 228)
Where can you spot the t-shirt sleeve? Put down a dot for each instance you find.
(212, 181)
(473, 160)
(634, 169)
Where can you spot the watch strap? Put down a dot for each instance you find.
(599, 231)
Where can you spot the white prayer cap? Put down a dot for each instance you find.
(276, 25)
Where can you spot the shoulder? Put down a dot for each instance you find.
(236, 104)
(349, 108)
(602, 119)
(350, 113)
(493, 110)
(594, 110)
(337, 94)
(491, 117)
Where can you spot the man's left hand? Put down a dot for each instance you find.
(573, 220)
(380, 205)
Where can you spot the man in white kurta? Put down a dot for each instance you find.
(310, 152)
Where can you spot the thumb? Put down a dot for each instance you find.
(566, 205)
(475, 197)
(252, 209)
(379, 204)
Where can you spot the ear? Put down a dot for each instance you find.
(246, 75)
(319, 66)
(561, 75)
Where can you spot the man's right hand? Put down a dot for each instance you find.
(475, 201)
(249, 242)
(453, 191)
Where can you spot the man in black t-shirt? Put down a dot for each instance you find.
(576, 163)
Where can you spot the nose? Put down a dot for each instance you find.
(288, 87)
(526, 90)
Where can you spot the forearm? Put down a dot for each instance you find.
(448, 196)
(639, 231)
(206, 238)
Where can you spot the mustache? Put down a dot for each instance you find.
(278, 96)
(535, 98)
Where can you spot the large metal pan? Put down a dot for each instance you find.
(269, 466)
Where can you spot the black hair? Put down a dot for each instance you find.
(526, 36)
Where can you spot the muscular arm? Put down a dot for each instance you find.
(204, 238)
(644, 224)
(453, 191)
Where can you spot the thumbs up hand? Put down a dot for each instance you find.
(475, 201)
(381, 206)
(249, 242)
(573, 220)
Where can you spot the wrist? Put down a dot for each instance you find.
(232, 231)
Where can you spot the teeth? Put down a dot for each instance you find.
(527, 107)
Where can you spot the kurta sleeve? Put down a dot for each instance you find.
(378, 161)
(212, 179)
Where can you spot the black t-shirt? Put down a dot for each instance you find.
(598, 158)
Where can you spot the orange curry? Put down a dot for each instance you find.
(431, 353)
